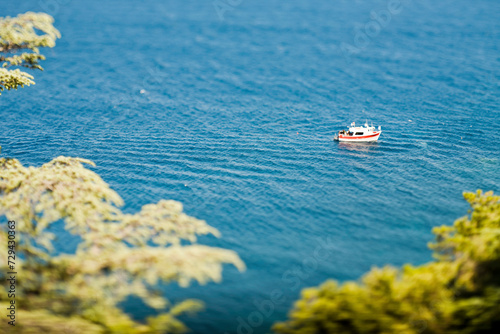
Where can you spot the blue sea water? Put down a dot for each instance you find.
(231, 109)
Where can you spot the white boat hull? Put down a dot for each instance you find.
(359, 139)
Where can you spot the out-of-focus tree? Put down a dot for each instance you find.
(20, 46)
(457, 293)
(119, 255)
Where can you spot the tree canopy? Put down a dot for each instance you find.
(457, 293)
(119, 255)
(20, 44)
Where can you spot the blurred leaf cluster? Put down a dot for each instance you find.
(20, 35)
(457, 293)
(120, 255)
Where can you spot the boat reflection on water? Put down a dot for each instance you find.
(359, 147)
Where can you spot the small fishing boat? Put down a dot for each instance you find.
(358, 134)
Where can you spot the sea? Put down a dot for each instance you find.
(230, 107)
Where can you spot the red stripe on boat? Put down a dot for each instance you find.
(362, 137)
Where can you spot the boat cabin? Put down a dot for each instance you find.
(358, 130)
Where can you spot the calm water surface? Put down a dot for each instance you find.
(236, 117)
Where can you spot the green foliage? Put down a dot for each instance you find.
(12, 79)
(120, 255)
(19, 34)
(458, 293)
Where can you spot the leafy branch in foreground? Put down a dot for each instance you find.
(120, 255)
(19, 34)
(457, 293)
